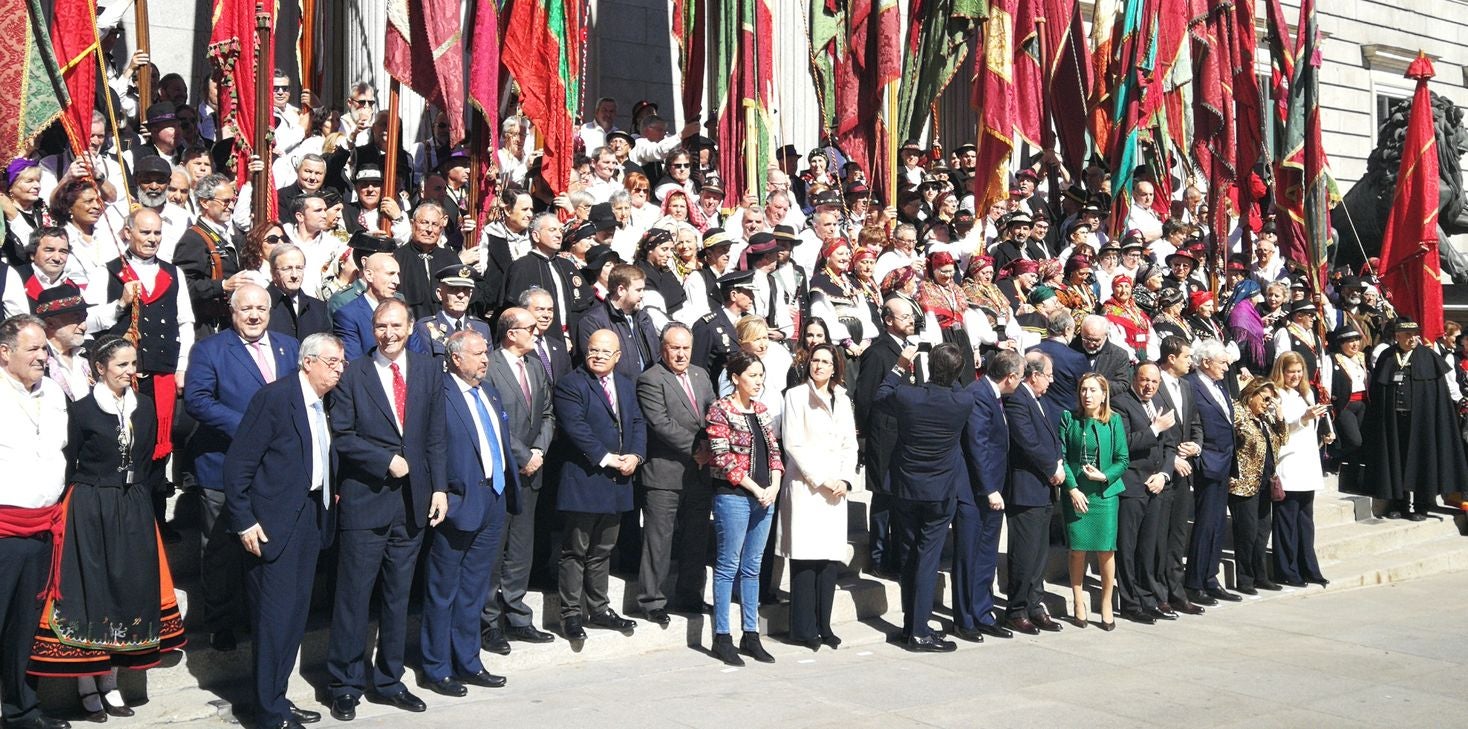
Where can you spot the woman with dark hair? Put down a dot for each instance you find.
(78, 207)
(258, 244)
(679, 166)
(1169, 320)
(747, 470)
(1124, 314)
(944, 301)
(813, 332)
(835, 300)
(114, 605)
(664, 293)
(819, 433)
(1095, 456)
(1349, 383)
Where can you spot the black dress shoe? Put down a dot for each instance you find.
(996, 630)
(1137, 616)
(529, 634)
(1021, 624)
(38, 722)
(1160, 614)
(971, 635)
(223, 641)
(1294, 583)
(1267, 585)
(612, 621)
(1108, 627)
(1392, 514)
(485, 679)
(121, 711)
(286, 723)
(884, 574)
(406, 701)
(1416, 516)
(1218, 593)
(831, 641)
(1203, 598)
(1243, 590)
(930, 644)
(447, 687)
(344, 708)
(692, 607)
(571, 628)
(659, 616)
(1322, 582)
(493, 640)
(1188, 608)
(304, 716)
(1045, 623)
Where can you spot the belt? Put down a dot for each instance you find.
(1358, 396)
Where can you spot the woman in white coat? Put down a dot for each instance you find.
(1299, 472)
(819, 434)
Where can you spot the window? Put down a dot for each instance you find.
(1386, 99)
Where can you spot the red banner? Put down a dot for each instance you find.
(1410, 269)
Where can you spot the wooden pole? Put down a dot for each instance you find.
(145, 74)
(308, 53)
(264, 108)
(390, 154)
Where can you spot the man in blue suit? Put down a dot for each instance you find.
(225, 371)
(1067, 365)
(464, 550)
(1210, 478)
(279, 482)
(1034, 472)
(979, 518)
(353, 322)
(597, 411)
(387, 419)
(927, 473)
(455, 287)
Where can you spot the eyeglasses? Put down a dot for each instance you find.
(226, 200)
(272, 238)
(332, 362)
(601, 352)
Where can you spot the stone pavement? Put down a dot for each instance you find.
(1379, 656)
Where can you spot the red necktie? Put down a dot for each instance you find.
(399, 394)
(525, 383)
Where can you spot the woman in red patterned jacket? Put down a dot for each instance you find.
(747, 469)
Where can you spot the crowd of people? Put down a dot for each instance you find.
(633, 375)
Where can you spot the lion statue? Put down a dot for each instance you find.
(1360, 219)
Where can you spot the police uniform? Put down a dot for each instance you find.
(431, 333)
(713, 334)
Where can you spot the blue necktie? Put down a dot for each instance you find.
(497, 474)
(323, 448)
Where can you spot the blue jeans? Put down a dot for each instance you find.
(741, 527)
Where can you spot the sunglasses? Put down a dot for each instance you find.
(272, 238)
(282, 89)
(639, 189)
(680, 165)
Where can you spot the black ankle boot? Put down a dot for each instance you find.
(724, 650)
(750, 646)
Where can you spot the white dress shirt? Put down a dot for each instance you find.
(33, 424)
(384, 375)
(319, 434)
(487, 441)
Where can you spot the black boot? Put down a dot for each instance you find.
(724, 650)
(750, 646)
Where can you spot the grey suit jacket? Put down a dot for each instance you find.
(531, 424)
(674, 430)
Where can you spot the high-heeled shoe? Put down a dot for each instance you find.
(1108, 626)
(121, 711)
(1078, 616)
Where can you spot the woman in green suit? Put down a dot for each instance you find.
(1094, 442)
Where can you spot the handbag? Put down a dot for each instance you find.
(1276, 488)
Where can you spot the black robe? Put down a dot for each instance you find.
(1417, 451)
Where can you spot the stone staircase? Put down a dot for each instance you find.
(1355, 549)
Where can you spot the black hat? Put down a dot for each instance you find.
(602, 216)
(825, 197)
(781, 234)
(457, 158)
(911, 145)
(596, 259)
(330, 196)
(787, 151)
(715, 237)
(1303, 306)
(1018, 217)
(760, 244)
(737, 279)
(578, 233)
(642, 106)
(57, 300)
(1351, 282)
(1403, 324)
(1344, 333)
(1171, 296)
(619, 134)
(367, 173)
(858, 189)
(711, 183)
(162, 112)
(153, 164)
(965, 147)
(456, 275)
(1076, 193)
(364, 244)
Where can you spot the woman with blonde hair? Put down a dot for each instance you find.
(753, 337)
(1095, 455)
(1259, 434)
(1300, 474)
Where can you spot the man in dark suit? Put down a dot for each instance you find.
(1102, 355)
(208, 256)
(225, 371)
(503, 242)
(310, 174)
(1035, 470)
(1140, 511)
(464, 549)
(454, 288)
(292, 311)
(1181, 441)
(543, 266)
(677, 496)
(1068, 366)
(1210, 485)
(597, 411)
(622, 313)
(387, 418)
(532, 423)
(979, 517)
(279, 481)
(927, 472)
(713, 333)
(353, 323)
(422, 258)
(879, 428)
